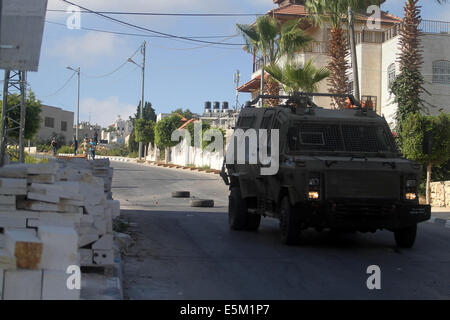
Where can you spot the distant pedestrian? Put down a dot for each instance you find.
(54, 145)
(96, 137)
(75, 145)
(92, 148)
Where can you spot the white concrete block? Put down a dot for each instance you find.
(41, 178)
(54, 286)
(103, 257)
(2, 277)
(13, 186)
(44, 168)
(104, 243)
(60, 247)
(22, 285)
(34, 205)
(7, 260)
(43, 197)
(95, 210)
(87, 236)
(115, 207)
(12, 222)
(13, 172)
(100, 224)
(8, 200)
(86, 257)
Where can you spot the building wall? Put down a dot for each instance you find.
(47, 132)
(435, 47)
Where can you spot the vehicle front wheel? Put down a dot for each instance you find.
(405, 237)
(289, 223)
(237, 210)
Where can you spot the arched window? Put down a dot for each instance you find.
(441, 72)
(391, 74)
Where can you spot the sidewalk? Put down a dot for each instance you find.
(442, 213)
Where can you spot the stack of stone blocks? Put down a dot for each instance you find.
(53, 216)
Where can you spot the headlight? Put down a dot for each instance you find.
(411, 183)
(411, 196)
(313, 195)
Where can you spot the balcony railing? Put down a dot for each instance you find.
(426, 26)
(437, 27)
(319, 47)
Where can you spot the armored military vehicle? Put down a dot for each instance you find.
(338, 169)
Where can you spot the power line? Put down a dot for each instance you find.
(115, 70)
(137, 34)
(60, 89)
(167, 14)
(150, 30)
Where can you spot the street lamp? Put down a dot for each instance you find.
(143, 89)
(78, 71)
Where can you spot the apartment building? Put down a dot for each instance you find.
(377, 51)
(55, 122)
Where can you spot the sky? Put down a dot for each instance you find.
(179, 74)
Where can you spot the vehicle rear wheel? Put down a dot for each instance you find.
(289, 223)
(253, 222)
(237, 210)
(405, 237)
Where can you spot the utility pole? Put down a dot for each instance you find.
(144, 46)
(237, 77)
(261, 101)
(78, 71)
(141, 109)
(352, 38)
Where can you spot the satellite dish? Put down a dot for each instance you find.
(21, 31)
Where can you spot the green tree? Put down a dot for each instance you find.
(148, 112)
(271, 39)
(33, 115)
(187, 114)
(408, 86)
(335, 14)
(295, 78)
(413, 129)
(145, 132)
(133, 145)
(164, 130)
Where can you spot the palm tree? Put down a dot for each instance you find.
(273, 40)
(295, 78)
(335, 14)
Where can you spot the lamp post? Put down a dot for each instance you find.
(78, 71)
(141, 111)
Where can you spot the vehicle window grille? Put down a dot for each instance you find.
(316, 137)
(366, 139)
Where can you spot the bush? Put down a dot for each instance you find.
(43, 148)
(66, 150)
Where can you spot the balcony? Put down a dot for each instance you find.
(426, 26)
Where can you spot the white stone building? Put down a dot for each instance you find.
(55, 122)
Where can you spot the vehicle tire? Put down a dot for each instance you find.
(181, 194)
(405, 237)
(289, 223)
(253, 222)
(199, 203)
(237, 210)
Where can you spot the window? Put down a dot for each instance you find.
(49, 122)
(441, 72)
(63, 126)
(391, 74)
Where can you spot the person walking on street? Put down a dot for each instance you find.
(96, 137)
(54, 145)
(92, 148)
(86, 147)
(75, 145)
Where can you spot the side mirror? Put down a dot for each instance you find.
(427, 143)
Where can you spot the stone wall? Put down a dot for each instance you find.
(440, 194)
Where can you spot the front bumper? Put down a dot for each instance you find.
(363, 215)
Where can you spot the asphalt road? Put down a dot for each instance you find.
(190, 253)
